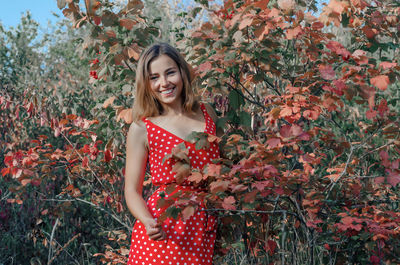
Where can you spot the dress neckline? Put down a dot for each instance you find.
(202, 107)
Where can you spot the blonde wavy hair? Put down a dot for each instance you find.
(145, 104)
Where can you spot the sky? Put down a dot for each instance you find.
(41, 11)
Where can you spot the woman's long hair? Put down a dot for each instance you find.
(145, 104)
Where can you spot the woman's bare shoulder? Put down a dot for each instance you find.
(137, 132)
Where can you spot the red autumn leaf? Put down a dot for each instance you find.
(286, 111)
(311, 114)
(126, 115)
(333, 177)
(385, 158)
(213, 170)
(371, 114)
(285, 131)
(107, 155)
(85, 162)
(187, 212)
(182, 171)
(369, 32)
(5, 171)
(108, 102)
(218, 186)
(327, 72)
(292, 33)
(127, 23)
(245, 22)
(205, 67)
(228, 203)
(296, 130)
(262, 4)
(97, 20)
(25, 181)
(261, 185)
(338, 48)
(387, 65)
(383, 107)
(195, 177)
(271, 246)
(393, 177)
(273, 142)
(250, 196)
(380, 81)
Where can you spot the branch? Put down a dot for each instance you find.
(241, 94)
(51, 241)
(62, 248)
(104, 210)
(344, 170)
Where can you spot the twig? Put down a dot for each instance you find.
(101, 209)
(248, 99)
(130, 68)
(62, 248)
(344, 170)
(51, 241)
(94, 205)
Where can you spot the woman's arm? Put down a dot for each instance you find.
(135, 169)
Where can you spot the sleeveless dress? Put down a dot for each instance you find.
(187, 243)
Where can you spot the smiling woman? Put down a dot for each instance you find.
(165, 113)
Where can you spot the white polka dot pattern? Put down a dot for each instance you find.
(187, 243)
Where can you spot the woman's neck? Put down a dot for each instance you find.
(173, 110)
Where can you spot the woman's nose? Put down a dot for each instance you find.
(163, 81)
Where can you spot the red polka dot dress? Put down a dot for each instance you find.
(187, 243)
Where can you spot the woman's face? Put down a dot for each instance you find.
(165, 80)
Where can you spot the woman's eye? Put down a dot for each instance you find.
(171, 72)
(153, 77)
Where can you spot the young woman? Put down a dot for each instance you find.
(165, 113)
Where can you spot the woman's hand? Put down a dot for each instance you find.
(154, 230)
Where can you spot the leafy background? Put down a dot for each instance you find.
(308, 103)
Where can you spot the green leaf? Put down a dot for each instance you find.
(245, 118)
(345, 20)
(195, 11)
(235, 99)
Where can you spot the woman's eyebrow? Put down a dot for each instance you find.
(171, 68)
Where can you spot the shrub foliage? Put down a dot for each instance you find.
(309, 105)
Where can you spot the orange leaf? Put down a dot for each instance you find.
(333, 177)
(273, 142)
(205, 67)
(195, 177)
(327, 71)
(218, 185)
(261, 4)
(187, 212)
(127, 23)
(336, 6)
(125, 114)
(133, 53)
(85, 162)
(25, 181)
(228, 203)
(380, 81)
(108, 102)
(182, 171)
(387, 65)
(245, 22)
(292, 33)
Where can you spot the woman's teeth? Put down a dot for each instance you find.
(167, 91)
